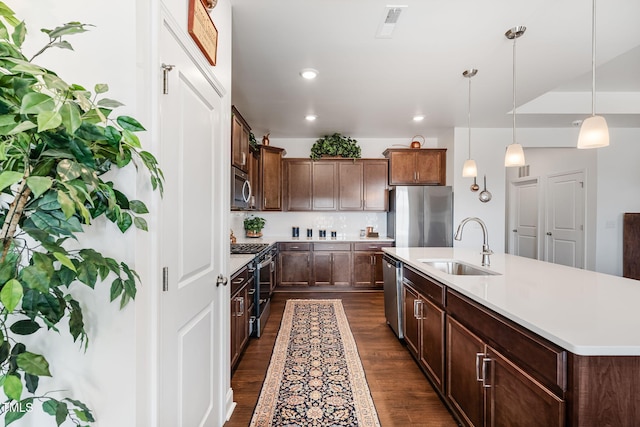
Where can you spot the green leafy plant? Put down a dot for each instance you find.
(254, 223)
(57, 140)
(335, 145)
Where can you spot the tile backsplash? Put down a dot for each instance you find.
(346, 224)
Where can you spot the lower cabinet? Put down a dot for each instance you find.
(240, 306)
(367, 264)
(490, 371)
(424, 333)
(294, 264)
(332, 264)
(486, 388)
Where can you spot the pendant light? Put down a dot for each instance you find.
(469, 169)
(594, 132)
(515, 154)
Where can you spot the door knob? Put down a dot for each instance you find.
(221, 280)
(548, 233)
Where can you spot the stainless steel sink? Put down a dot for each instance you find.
(458, 268)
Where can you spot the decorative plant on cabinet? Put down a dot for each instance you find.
(57, 141)
(335, 145)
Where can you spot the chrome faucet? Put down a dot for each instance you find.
(485, 244)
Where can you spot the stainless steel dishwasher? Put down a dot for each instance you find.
(392, 275)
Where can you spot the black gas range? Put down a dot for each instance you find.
(264, 280)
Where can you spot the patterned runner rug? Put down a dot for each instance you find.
(315, 377)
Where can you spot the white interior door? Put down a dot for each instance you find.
(565, 219)
(524, 218)
(190, 316)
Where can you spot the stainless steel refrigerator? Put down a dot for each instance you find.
(418, 216)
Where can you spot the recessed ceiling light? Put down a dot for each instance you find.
(310, 117)
(309, 73)
(418, 118)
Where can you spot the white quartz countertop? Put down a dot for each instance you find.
(584, 312)
(237, 261)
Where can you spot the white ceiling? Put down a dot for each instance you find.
(372, 87)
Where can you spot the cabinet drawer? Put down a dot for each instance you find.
(239, 279)
(372, 246)
(542, 359)
(294, 246)
(332, 247)
(430, 289)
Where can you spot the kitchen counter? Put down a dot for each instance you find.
(237, 261)
(584, 312)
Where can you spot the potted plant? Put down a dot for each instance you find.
(335, 145)
(57, 142)
(253, 226)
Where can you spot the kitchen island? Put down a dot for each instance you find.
(544, 344)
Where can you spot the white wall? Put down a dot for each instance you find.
(617, 179)
(117, 377)
(105, 54)
(618, 192)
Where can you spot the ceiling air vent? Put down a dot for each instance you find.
(389, 21)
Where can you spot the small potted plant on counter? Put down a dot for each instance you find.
(253, 226)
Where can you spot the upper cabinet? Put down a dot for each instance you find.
(417, 166)
(269, 196)
(240, 131)
(335, 185)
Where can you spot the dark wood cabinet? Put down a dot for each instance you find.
(424, 325)
(240, 309)
(417, 166)
(500, 374)
(375, 185)
(332, 264)
(240, 131)
(367, 264)
(269, 193)
(351, 179)
(332, 185)
(465, 353)
(294, 264)
(298, 193)
(324, 193)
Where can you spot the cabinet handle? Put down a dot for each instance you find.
(478, 375)
(264, 203)
(244, 158)
(485, 378)
(241, 307)
(294, 247)
(415, 308)
(417, 175)
(236, 281)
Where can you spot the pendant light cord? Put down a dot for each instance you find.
(593, 60)
(469, 118)
(514, 89)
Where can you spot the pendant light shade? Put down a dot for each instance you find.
(594, 132)
(515, 154)
(469, 169)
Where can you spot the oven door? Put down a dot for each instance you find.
(265, 278)
(240, 189)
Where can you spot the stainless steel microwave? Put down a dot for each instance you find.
(240, 189)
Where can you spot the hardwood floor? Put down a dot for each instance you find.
(401, 392)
